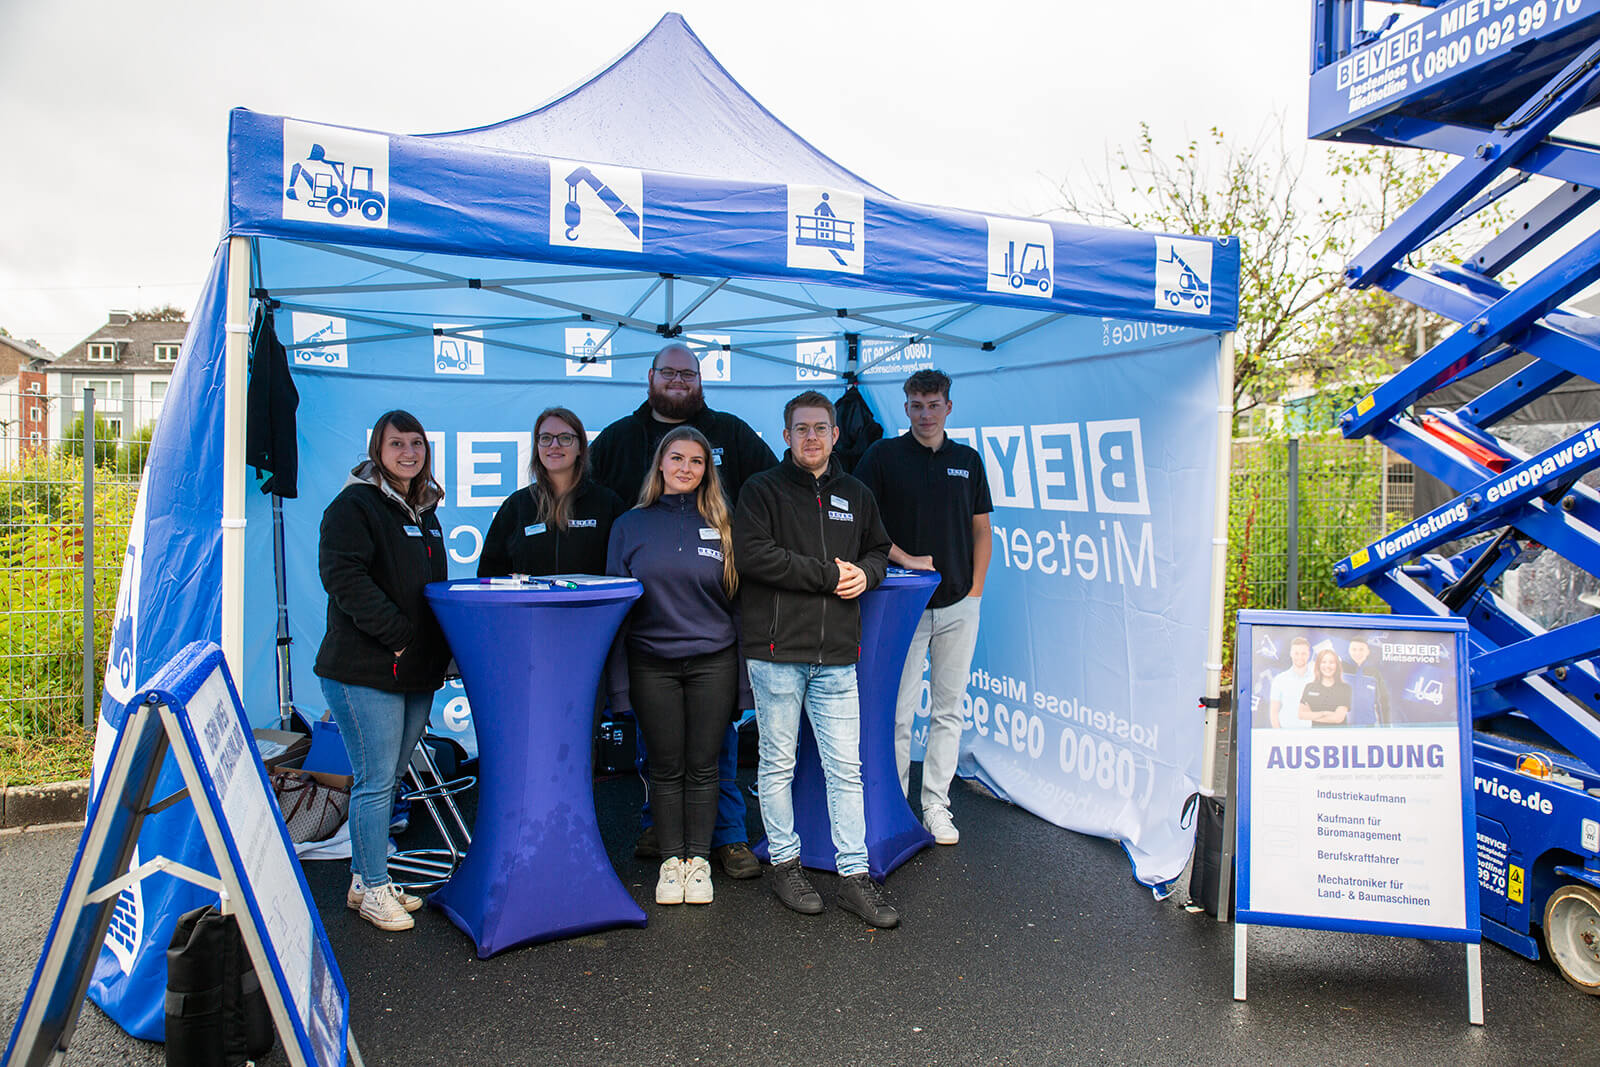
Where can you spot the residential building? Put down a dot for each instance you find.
(128, 362)
(24, 403)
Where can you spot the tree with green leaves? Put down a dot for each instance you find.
(1299, 329)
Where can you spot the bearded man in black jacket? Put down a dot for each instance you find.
(620, 461)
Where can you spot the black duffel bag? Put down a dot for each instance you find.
(1205, 880)
(217, 1015)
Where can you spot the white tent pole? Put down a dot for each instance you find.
(1219, 561)
(236, 359)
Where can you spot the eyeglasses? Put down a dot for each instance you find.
(565, 440)
(819, 430)
(667, 374)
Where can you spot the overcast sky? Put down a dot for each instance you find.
(113, 114)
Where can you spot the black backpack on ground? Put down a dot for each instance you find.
(217, 1015)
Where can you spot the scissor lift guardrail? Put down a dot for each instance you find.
(1490, 81)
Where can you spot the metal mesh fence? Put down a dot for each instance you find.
(1296, 507)
(42, 555)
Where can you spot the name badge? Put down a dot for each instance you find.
(412, 531)
(708, 533)
(533, 531)
(437, 533)
(958, 472)
(839, 502)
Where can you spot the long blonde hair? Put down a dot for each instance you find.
(709, 501)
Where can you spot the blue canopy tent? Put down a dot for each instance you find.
(479, 276)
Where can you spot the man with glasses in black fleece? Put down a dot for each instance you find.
(620, 460)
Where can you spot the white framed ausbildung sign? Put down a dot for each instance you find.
(1355, 804)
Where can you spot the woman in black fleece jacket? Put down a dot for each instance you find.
(383, 655)
(682, 646)
(561, 522)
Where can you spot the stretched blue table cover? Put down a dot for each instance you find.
(531, 660)
(889, 617)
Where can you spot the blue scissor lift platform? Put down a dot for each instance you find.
(1490, 81)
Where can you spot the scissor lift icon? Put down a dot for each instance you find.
(823, 229)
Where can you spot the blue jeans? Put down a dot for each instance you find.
(828, 695)
(379, 730)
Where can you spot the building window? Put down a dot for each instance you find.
(35, 413)
(105, 352)
(167, 353)
(115, 426)
(107, 391)
(33, 437)
(35, 387)
(158, 390)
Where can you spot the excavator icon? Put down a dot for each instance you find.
(327, 187)
(574, 212)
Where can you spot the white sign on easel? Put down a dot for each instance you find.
(1355, 802)
(193, 709)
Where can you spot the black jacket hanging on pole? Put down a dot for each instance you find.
(270, 403)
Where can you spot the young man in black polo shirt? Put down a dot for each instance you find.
(935, 503)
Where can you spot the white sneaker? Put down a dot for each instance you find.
(941, 827)
(669, 887)
(697, 881)
(358, 890)
(380, 906)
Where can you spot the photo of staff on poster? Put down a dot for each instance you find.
(1354, 774)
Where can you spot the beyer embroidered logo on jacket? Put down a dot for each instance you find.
(788, 529)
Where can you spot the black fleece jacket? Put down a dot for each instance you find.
(620, 456)
(518, 543)
(375, 556)
(787, 530)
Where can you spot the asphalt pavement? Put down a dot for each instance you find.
(1024, 944)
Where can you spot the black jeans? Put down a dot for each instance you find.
(684, 707)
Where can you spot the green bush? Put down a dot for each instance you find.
(105, 442)
(41, 588)
(1338, 505)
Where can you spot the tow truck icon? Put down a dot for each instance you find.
(1190, 288)
(327, 186)
(308, 350)
(1029, 269)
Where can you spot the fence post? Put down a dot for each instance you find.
(88, 558)
(1292, 575)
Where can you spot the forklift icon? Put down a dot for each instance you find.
(326, 186)
(1030, 269)
(823, 229)
(1190, 288)
(1429, 690)
(454, 354)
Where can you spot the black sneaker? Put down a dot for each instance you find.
(858, 893)
(646, 847)
(790, 884)
(737, 860)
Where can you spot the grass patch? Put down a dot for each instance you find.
(39, 760)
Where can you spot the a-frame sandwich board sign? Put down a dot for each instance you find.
(192, 709)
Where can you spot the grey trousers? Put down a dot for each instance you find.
(948, 636)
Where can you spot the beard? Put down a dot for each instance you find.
(676, 406)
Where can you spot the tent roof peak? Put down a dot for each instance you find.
(666, 104)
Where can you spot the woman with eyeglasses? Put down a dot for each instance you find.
(561, 523)
(682, 649)
(383, 654)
